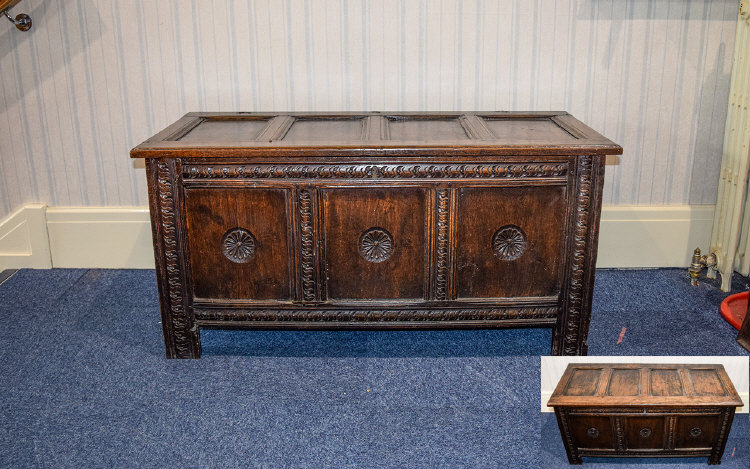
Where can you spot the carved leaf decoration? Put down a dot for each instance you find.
(238, 245)
(376, 245)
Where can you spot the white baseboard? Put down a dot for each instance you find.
(106, 237)
(23, 239)
(653, 236)
(120, 237)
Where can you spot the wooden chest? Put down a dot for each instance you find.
(644, 410)
(375, 221)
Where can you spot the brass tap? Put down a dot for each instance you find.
(698, 262)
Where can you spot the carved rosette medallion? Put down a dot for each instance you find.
(376, 245)
(645, 432)
(695, 432)
(238, 245)
(593, 432)
(509, 242)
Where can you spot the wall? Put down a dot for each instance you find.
(95, 77)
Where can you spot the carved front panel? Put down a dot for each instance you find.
(646, 432)
(509, 241)
(696, 431)
(592, 432)
(376, 242)
(239, 243)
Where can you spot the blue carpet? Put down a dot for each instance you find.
(85, 383)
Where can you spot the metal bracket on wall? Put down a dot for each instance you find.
(22, 20)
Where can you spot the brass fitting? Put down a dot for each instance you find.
(698, 262)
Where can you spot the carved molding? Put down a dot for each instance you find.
(308, 245)
(167, 216)
(680, 453)
(671, 432)
(619, 434)
(376, 244)
(640, 411)
(575, 289)
(721, 438)
(405, 171)
(571, 448)
(442, 253)
(379, 315)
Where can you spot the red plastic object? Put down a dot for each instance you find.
(734, 309)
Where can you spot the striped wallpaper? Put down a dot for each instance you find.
(95, 77)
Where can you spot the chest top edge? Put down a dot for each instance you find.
(375, 134)
(644, 384)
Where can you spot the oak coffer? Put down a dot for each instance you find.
(663, 410)
(378, 220)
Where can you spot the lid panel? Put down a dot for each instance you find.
(528, 129)
(624, 383)
(426, 130)
(583, 382)
(666, 382)
(707, 383)
(323, 130)
(225, 131)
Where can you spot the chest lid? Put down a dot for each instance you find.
(623, 385)
(229, 135)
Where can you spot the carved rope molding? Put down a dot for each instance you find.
(575, 292)
(380, 315)
(620, 434)
(509, 170)
(177, 314)
(572, 448)
(718, 449)
(441, 264)
(671, 432)
(308, 243)
(710, 411)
